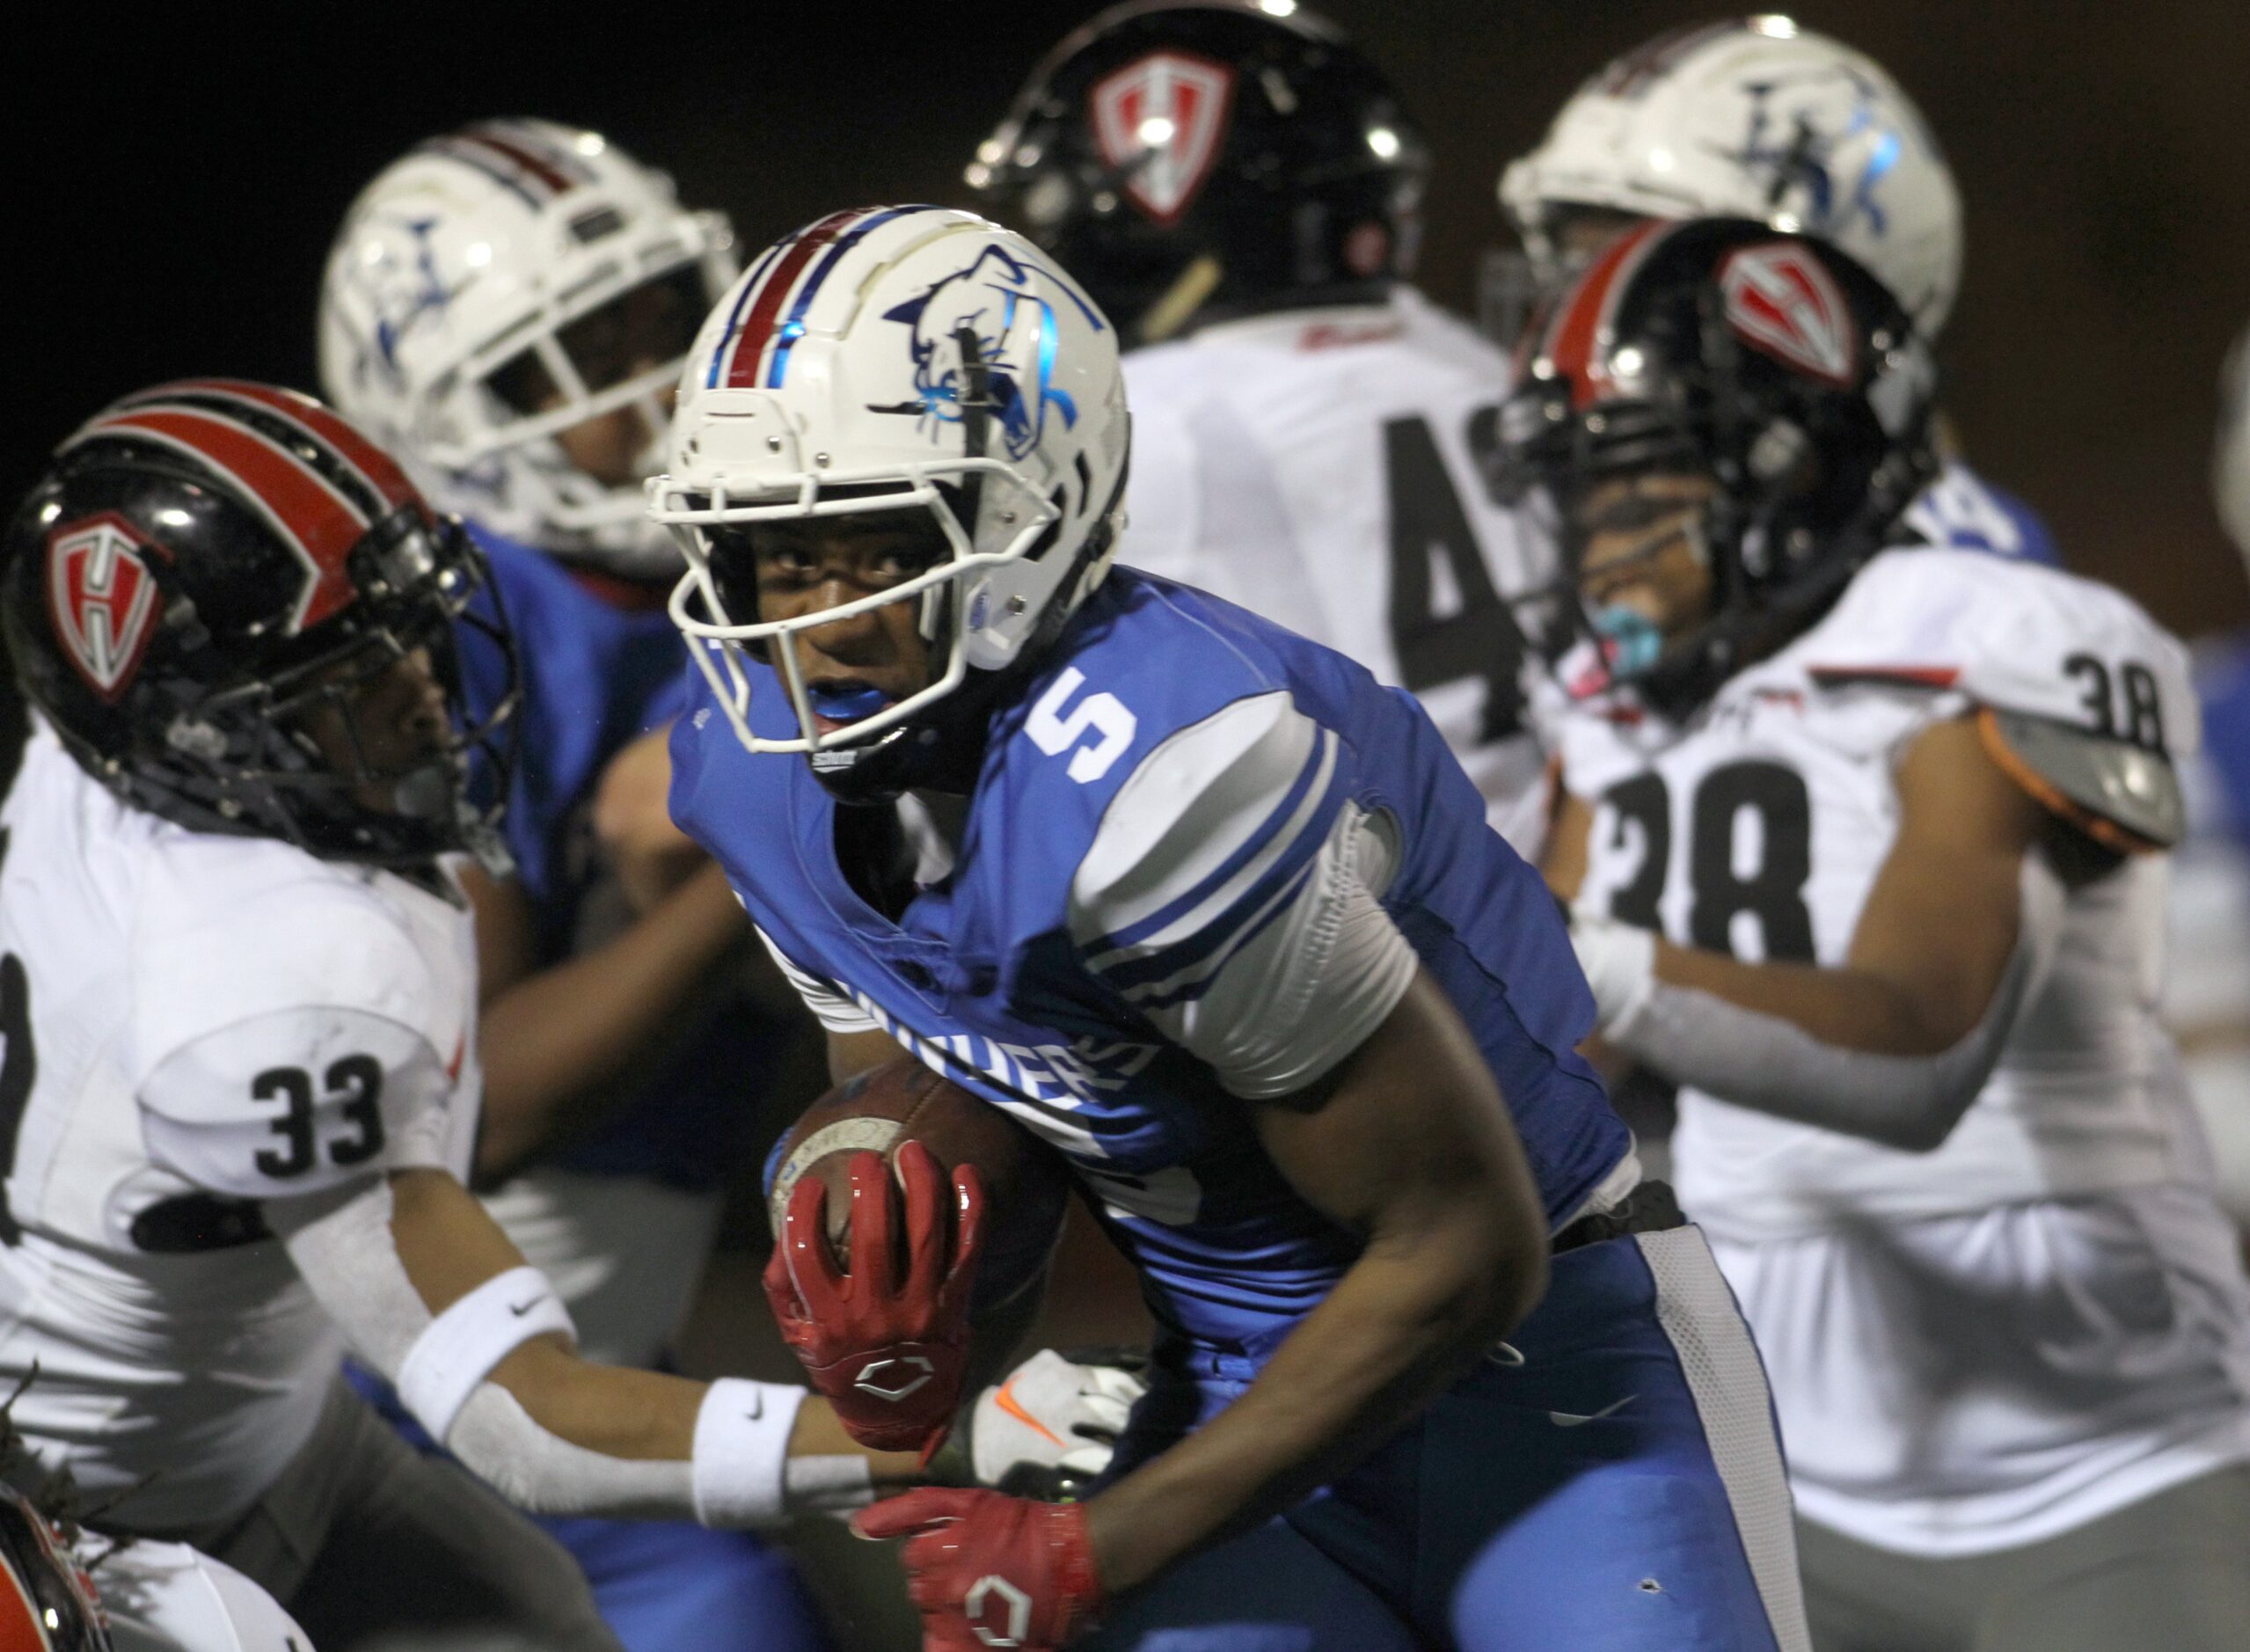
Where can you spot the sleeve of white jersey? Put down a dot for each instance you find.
(281, 1040)
(2015, 637)
(296, 1101)
(831, 1008)
(1231, 894)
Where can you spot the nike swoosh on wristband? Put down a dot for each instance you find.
(520, 1309)
(1006, 1398)
(1571, 1418)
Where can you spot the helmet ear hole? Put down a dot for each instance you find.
(1782, 457)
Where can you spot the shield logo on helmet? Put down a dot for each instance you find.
(1780, 299)
(1161, 120)
(102, 599)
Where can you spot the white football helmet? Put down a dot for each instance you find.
(889, 357)
(2231, 461)
(1753, 118)
(496, 286)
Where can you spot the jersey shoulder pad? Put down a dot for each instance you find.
(2085, 701)
(1156, 658)
(293, 1101)
(1205, 839)
(2012, 636)
(233, 929)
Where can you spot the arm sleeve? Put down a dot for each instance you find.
(1232, 892)
(1770, 1064)
(343, 1247)
(829, 1007)
(295, 1102)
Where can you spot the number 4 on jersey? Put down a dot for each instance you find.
(1480, 639)
(18, 1065)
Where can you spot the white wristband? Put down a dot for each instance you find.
(1621, 965)
(741, 1452)
(459, 1348)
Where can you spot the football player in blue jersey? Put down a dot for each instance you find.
(509, 305)
(1216, 915)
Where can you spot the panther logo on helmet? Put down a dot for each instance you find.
(1781, 300)
(103, 599)
(1162, 121)
(1786, 143)
(999, 302)
(401, 293)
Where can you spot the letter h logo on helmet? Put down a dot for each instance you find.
(102, 599)
(1161, 120)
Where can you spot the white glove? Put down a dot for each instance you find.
(1621, 965)
(1053, 1425)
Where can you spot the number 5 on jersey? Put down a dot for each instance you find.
(1103, 714)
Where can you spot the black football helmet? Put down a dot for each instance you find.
(1190, 163)
(1771, 364)
(203, 568)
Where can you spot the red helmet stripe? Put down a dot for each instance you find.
(319, 524)
(523, 156)
(1574, 336)
(374, 467)
(749, 345)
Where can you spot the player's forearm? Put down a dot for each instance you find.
(1789, 1039)
(1853, 1008)
(646, 1416)
(1421, 1304)
(553, 1036)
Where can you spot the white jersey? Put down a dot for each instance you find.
(1756, 828)
(1322, 469)
(196, 1026)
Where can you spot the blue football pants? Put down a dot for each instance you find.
(1608, 1481)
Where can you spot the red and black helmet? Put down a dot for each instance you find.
(47, 1602)
(1191, 160)
(202, 565)
(1771, 364)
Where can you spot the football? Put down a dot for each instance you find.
(1026, 1182)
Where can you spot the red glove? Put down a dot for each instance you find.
(987, 1570)
(890, 1353)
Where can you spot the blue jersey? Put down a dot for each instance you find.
(2219, 787)
(1962, 511)
(594, 677)
(992, 976)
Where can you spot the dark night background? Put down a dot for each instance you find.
(174, 186)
